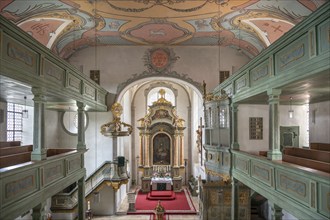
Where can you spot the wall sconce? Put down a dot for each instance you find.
(25, 112)
(290, 110)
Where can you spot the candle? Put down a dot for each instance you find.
(88, 205)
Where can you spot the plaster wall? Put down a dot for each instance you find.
(117, 63)
(254, 146)
(99, 147)
(319, 122)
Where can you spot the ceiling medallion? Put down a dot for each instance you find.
(159, 59)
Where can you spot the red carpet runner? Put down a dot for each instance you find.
(182, 204)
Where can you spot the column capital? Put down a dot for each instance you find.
(39, 94)
(273, 92)
(38, 90)
(81, 105)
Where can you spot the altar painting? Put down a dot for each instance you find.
(161, 149)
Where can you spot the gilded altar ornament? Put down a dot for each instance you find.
(116, 127)
(162, 99)
(159, 211)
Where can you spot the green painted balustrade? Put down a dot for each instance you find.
(24, 186)
(25, 60)
(302, 52)
(301, 191)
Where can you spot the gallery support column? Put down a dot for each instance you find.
(39, 150)
(38, 212)
(274, 152)
(234, 199)
(234, 126)
(276, 213)
(81, 198)
(81, 146)
(81, 126)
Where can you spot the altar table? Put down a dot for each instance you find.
(160, 183)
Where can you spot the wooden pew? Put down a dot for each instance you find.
(5, 151)
(14, 159)
(315, 159)
(320, 146)
(9, 143)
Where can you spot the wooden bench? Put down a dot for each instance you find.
(9, 143)
(315, 159)
(320, 146)
(53, 152)
(5, 151)
(14, 159)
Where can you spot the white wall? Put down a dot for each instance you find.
(117, 64)
(319, 122)
(254, 146)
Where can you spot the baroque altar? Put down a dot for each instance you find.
(161, 146)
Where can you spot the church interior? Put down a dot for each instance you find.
(165, 109)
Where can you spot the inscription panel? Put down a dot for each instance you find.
(100, 97)
(292, 55)
(53, 72)
(259, 73)
(324, 199)
(229, 90)
(242, 164)
(74, 164)
(73, 83)
(241, 83)
(262, 172)
(323, 31)
(294, 186)
(19, 55)
(53, 172)
(89, 91)
(19, 186)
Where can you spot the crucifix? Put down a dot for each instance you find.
(200, 138)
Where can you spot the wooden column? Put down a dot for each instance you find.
(38, 212)
(234, 126)
(81, 126)
(276, 213)
(234, 199)
(274, 152)
(81, 199)
(39, 151)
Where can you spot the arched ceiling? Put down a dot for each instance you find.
(65, 26)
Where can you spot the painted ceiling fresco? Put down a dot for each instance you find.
(65, 26)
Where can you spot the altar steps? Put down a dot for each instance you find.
(161, 195)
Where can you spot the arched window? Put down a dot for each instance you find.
(153, 95)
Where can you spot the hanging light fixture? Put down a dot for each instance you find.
(25, 112)
(239, 50)
(290, 110)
